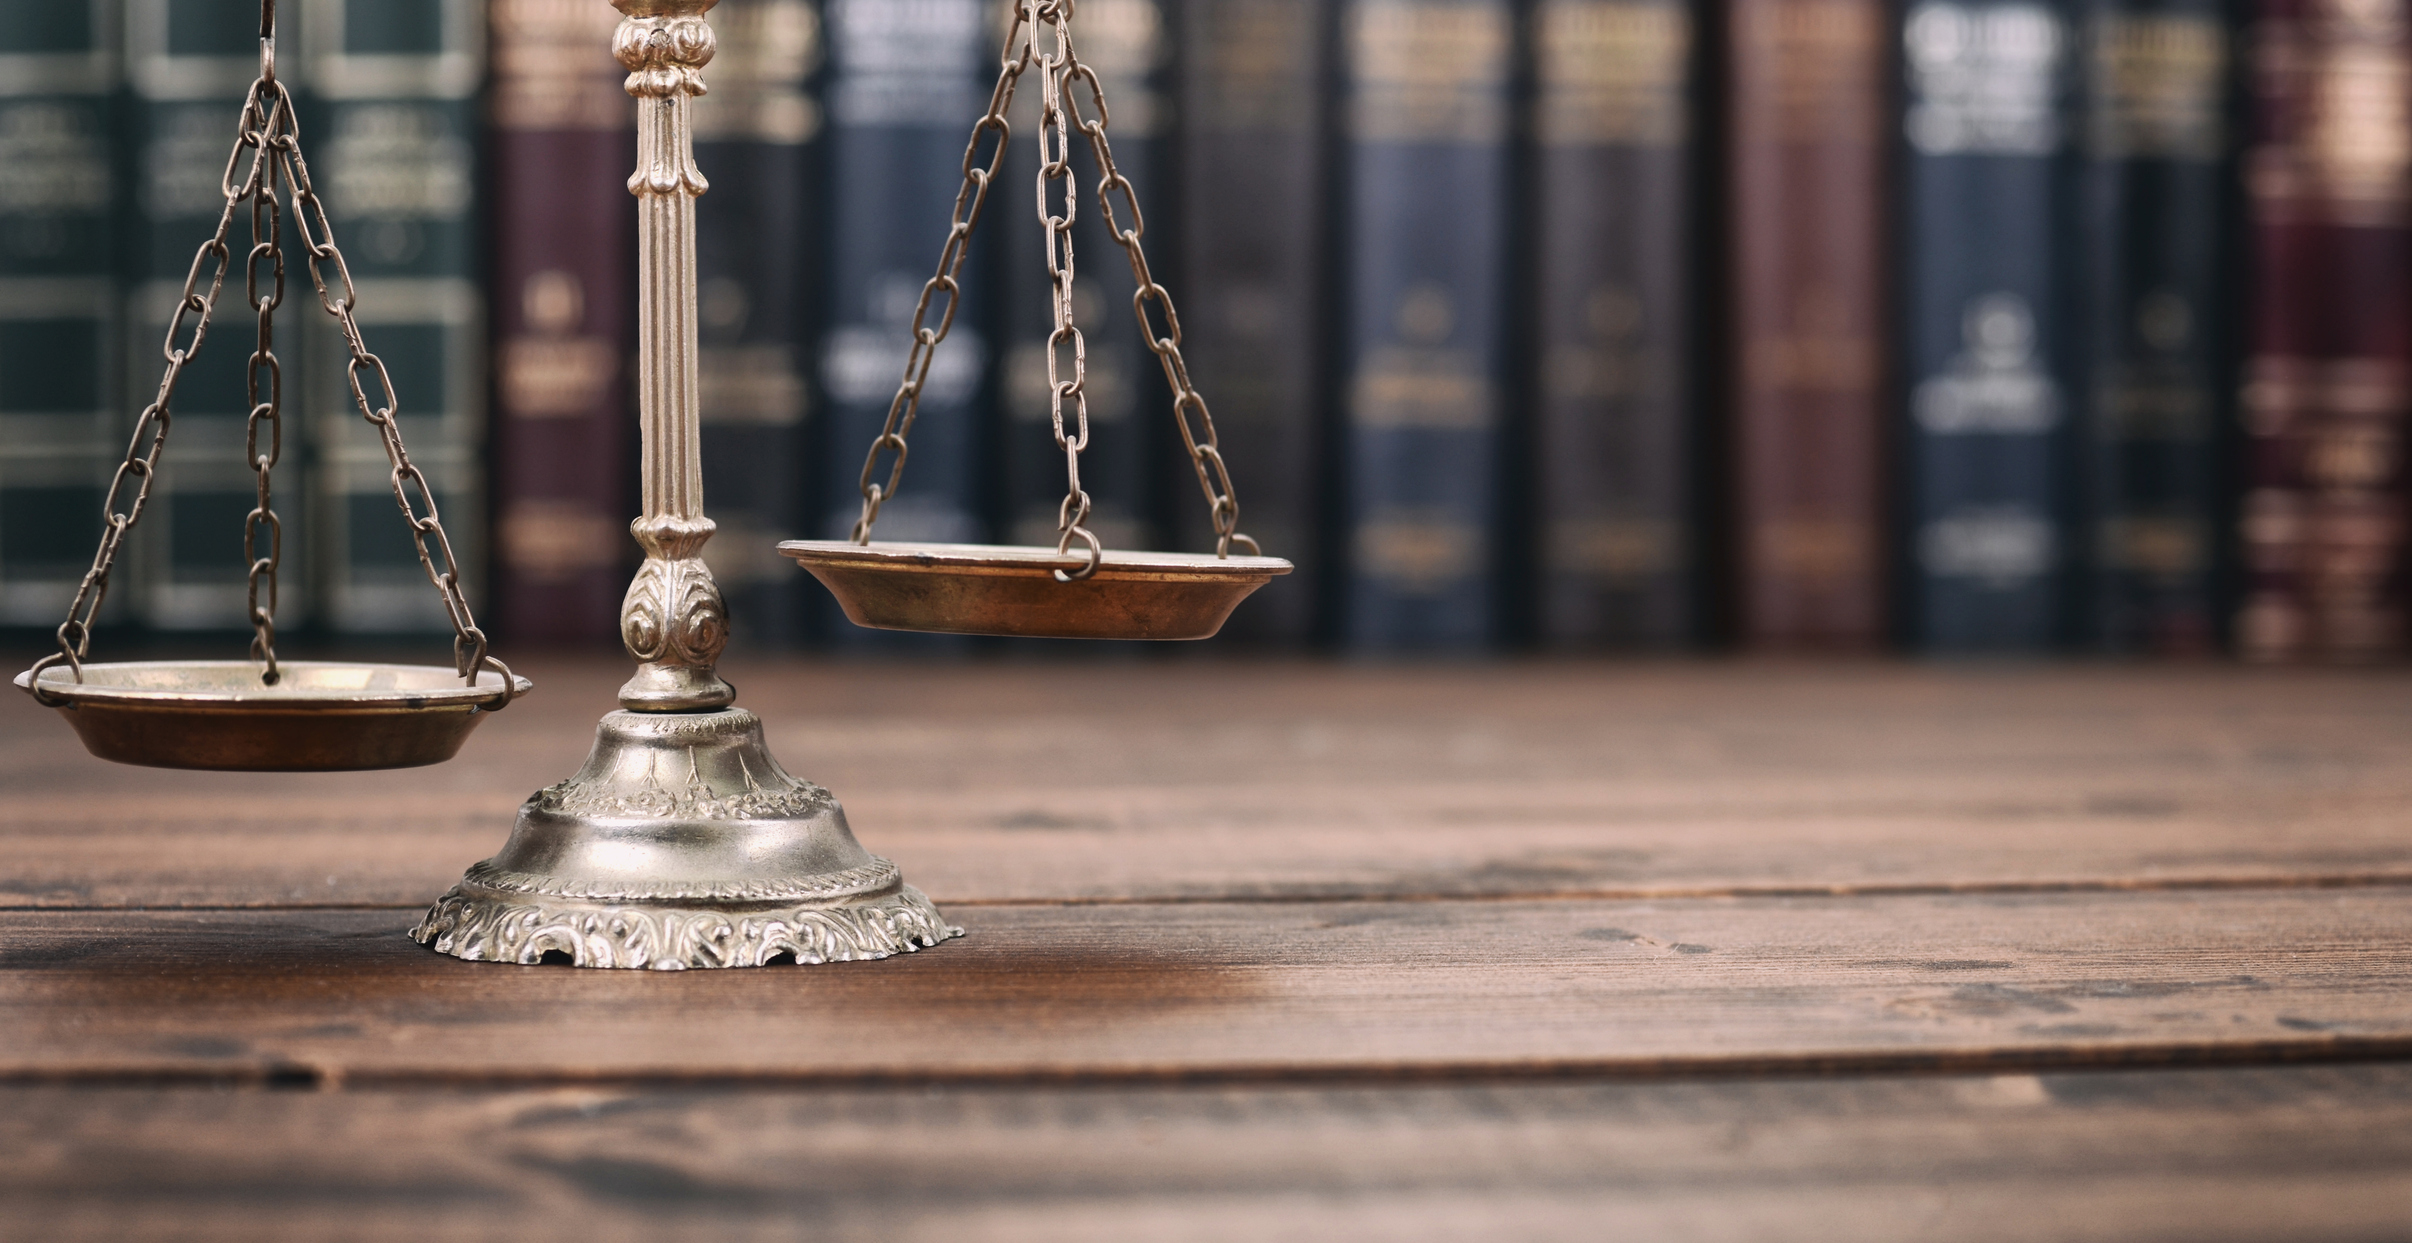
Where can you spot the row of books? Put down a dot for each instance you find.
(1963, 327)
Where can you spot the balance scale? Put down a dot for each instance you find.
(681, 842)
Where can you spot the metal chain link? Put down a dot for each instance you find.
(977, 176)
(269, 130)
(1055, 165)
(1059, 109)
(267, 230)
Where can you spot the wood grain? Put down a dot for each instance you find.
(2296, 1153)
(1250, 990)
(1203, 781)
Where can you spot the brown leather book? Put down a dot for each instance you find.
(563, 275)
(2328, 380)
(1807, 102)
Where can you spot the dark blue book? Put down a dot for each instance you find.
(60, 435)
(1987, 334)
(1426, 123)
(1254, 289)
(906, 83)
(189, 63)
(2151, 196)
(1125, 42)
(1611, 307)
(757, 139)
(390, 132)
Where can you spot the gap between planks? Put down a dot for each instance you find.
(2384, 880)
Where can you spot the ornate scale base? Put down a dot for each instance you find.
(682, 843)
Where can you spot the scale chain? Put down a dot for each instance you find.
(1060, 108)
(267, 228)
(1055, 164)
(270, 131)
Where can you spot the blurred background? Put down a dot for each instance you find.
(1830, 325)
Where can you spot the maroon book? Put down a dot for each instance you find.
(1807, 96)
(2328, 378)
(563, 277)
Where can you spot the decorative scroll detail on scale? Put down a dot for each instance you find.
(694, 802)
(466, 924)
(673, 618)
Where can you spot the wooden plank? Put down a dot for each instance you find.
(2295, 1153)
(1135, 991)
(1199, 781)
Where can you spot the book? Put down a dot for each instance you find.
(1611, 307)
(1254, 294)
(2328, 379)
(391, 140)
(1427, 124)
(757, 251)
(1986, 332)
(1124, 42)
(189, 63)
(1806, 104)
(2154, 296)
(906, 83)
(61, 435)
(562, 298)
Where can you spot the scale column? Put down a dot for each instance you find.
(673, 619)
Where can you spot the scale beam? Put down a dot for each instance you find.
(673, 619)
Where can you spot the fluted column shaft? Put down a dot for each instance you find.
(672, 619)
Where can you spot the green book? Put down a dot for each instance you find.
(59, 431)
(390, 134)
(190, 63)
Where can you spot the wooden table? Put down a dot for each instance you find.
(1271, 951)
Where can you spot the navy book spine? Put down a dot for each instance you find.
(1254, 286)
(60, 434)
(907, 80)
(391, 140)
(1987, 331)
(1610, 301)
(1427, 105)
(2152, 192)
(757, 139)
(189, 63)
(1124, 42)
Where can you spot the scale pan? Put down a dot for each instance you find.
(321, 716)
(995, 589)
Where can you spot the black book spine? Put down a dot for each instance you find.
(1253, 298)
(2153, 312)
(1611, 309)
(757, 140)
